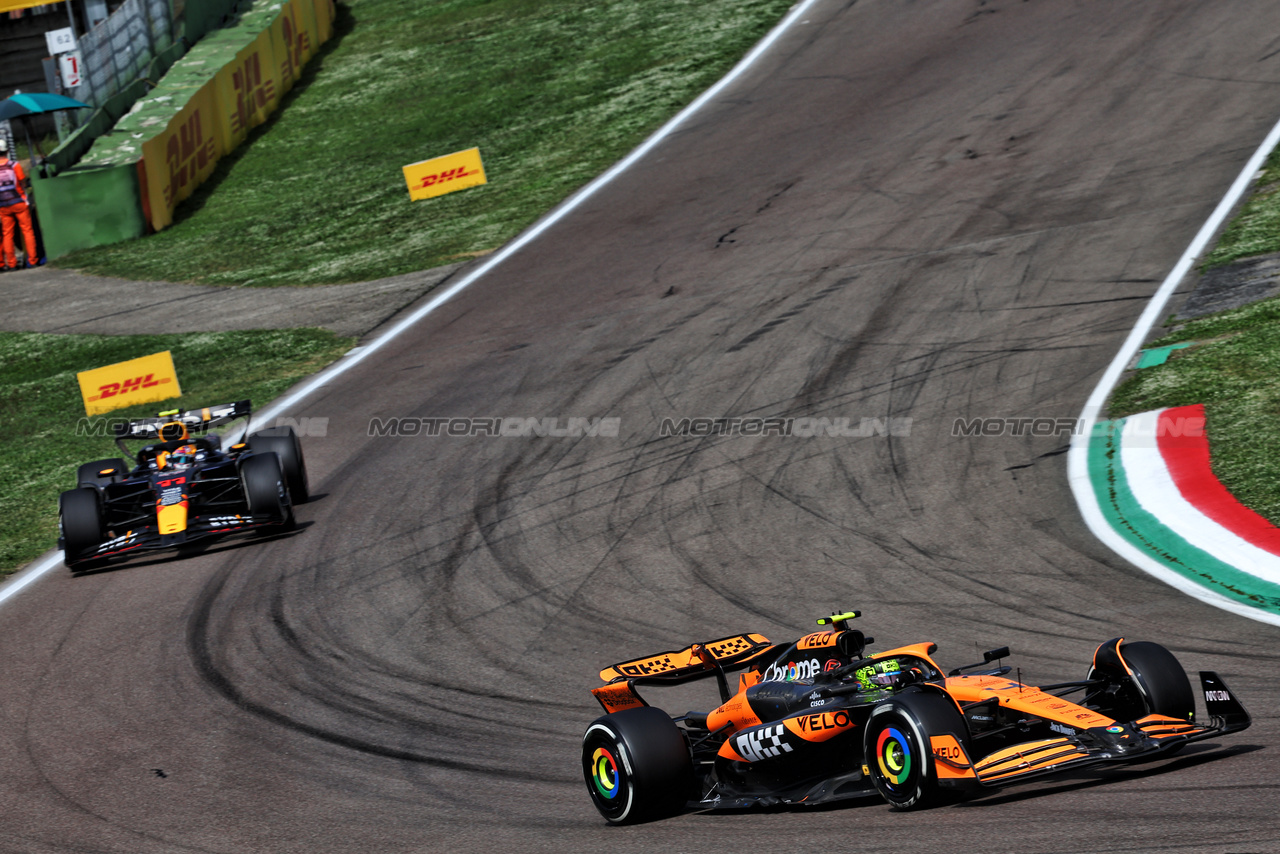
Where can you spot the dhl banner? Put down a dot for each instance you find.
(326, 13)
(180, 158)
(286, 48)
(442, 175)
(143, 380)
(241, 96)
(248, 91)
(304, 19)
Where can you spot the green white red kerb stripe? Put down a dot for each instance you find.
(1151, 478)
(1082, 460)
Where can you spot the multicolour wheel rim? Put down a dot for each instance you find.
(893, 755)
(604, 773)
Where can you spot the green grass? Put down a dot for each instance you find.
(1256, 229)
(40, 405)
(552, 91)
(1233, 367)
(1234, 370)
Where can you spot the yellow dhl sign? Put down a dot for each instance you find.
(442, 175)
(143, 380)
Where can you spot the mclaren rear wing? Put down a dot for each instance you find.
(695, 661)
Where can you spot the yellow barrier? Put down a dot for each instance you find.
(304, 19)
(248, 91)
(180, 158)
(241, 96)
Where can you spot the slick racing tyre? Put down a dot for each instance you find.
(80, 518)
(264, 489)
(1158, 685)
(283, 442)
(636, 766)
(88, 474)
(897, 749)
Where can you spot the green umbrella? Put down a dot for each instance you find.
(21, 104)
(27, 103)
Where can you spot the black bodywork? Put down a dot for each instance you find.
(133, 495)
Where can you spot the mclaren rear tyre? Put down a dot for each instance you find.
(899, 755)
(636, 765)
(91, 474)
(283, 442)
(264, 488)
(80, 519)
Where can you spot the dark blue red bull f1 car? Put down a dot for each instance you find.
(181, 487)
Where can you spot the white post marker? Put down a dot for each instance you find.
(69, 66)
(60, 41)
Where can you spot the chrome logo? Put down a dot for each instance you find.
(605, 773)
(893, 755)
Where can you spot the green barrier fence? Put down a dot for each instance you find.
(88, 207)
(123, 173)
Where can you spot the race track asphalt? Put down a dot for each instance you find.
(908, 210)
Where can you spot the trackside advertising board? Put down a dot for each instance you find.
(228, 84)
(143, 380)
(178, 160)
(442, 175)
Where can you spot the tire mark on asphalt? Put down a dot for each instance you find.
(787, 315)
(201, 645)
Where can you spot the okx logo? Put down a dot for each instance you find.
(763, 743)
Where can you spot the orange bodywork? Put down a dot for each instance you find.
(950, 760)
(920, 650)
(817, 640)
(820, 726)
(735, 714)
(1033, 701)
(1027, 757)
(618, 696)
(695, 657)
(808, 715)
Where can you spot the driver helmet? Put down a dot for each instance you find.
(878, 675)
(183, 457)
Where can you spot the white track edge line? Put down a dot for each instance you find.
(25, 577)
(536, 230)
(1078, 456)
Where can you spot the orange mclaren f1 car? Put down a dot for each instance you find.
(820, 720)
